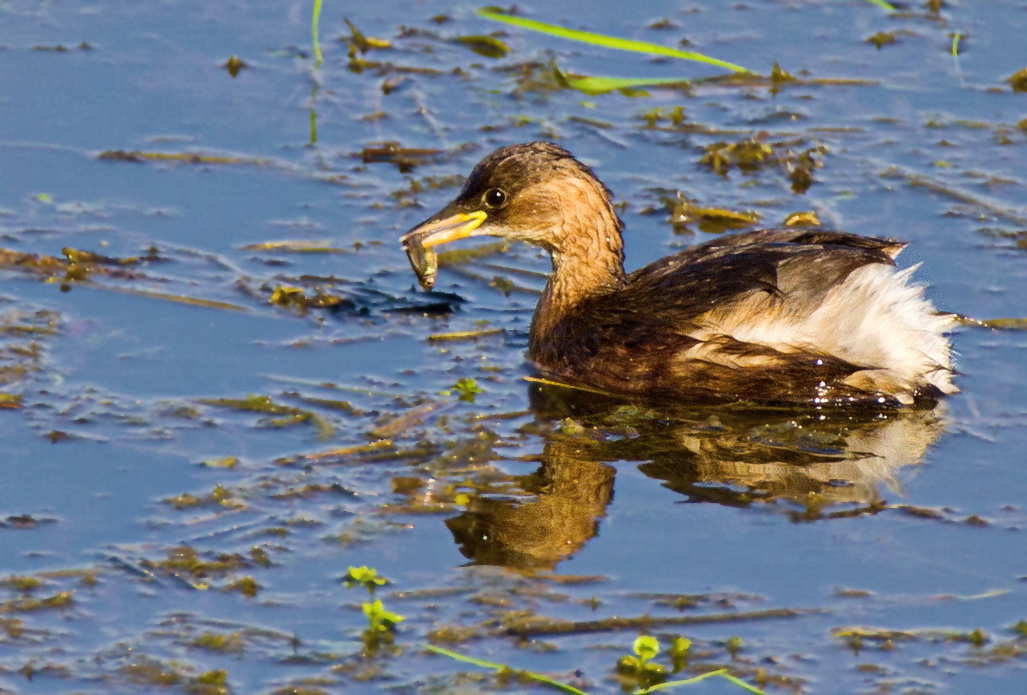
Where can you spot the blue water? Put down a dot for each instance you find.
(593, 516)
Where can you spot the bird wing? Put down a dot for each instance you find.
(672, 321)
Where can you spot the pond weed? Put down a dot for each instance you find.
(381, 623)
(637, 666)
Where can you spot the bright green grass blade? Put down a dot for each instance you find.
(882, 4)
(955, 43)
(314, 19)
(608, 41)
(495, 666)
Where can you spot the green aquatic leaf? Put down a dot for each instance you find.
(608, 41)
(646, 647)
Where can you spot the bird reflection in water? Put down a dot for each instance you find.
(811, 465)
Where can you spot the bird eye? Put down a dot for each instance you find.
(494, 198)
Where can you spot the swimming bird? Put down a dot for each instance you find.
(774, 316)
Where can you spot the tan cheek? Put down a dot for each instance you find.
(539, 211)
(581, 207)
(571, 205)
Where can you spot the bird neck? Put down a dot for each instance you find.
(586, 263)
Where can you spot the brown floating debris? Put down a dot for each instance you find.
(536, 627)
(955, 194)
(177, 298)
(405, 158)
(10, 400)
(295, 246)
(342, 453)
(413, 417)
(488, 46)
(186, 157)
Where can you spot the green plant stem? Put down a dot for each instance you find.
(314, 19)
(882, 4)
(721, 673)
(955, 44)
(498, 667)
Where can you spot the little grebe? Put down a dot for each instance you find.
(772, 316)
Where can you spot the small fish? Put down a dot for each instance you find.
(423, 260)
(420, 241)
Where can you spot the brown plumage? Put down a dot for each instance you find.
(772, 316)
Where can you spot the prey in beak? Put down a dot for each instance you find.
(443, 228)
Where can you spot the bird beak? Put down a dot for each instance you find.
(433, 231)
(440, 229)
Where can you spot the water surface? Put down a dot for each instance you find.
(496, 516)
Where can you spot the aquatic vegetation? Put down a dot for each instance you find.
(648, 676)
(1018, 80)
(595, 85)
(235, 65)
(882, 38)
(467, 389)
(607, 41)
(168, 512)
(954, 46)
(362, 43)
(217, 642)
(209, 683)
(315, 20)
(297, 298)
(381, 623)
(708, 219)
(247, 586)
(60, 601)
(488, 46)
(639, 666)
(290, 415)
(628, 86)
(364, 576)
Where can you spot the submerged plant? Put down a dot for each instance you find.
(645, 648)
(638, 666)
(467, 388)
(366, 577)
(381, 623)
